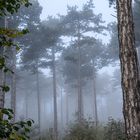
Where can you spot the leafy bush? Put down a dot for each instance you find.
(13, 131)
(114, 130)
(84, 130)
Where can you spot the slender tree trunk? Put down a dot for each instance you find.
(54, 95)
(67, 109)
(38, 101)
(26, 99)
(61, 111)
(2, 74)
(26, 104)
(80, 101)
(129, 70)
(138, 53)
(1, 92)
(95, 97)
(13, 84)
(62, 108)
(80, 109)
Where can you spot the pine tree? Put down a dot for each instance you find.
(129, 69)
(76, 24)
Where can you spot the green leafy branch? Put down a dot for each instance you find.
(13, 131)
(12, 6)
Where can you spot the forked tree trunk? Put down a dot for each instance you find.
(54, 95)
(129, 70)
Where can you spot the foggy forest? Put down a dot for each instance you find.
(69, 70)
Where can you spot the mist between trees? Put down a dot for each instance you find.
(66, 78)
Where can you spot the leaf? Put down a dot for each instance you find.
(17, 48)
(29, 123)
(25, 31)
(2, 61)
(27, 130)
(5, 88)
(6, 70)
(16, 128)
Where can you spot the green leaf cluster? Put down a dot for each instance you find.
(12, 6)
(84, 130)
(13, 131)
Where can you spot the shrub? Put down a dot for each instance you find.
(114, 130)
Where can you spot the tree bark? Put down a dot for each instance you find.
(80, 109)
(26, 104)
(67, 108)
(54, 95)
(38, 101)
(2, 95)
(80, 100)
(62, 127)
(138, 53)
(61, 108)
(13, 84)
(2, 74)
(129, 69)
(95, 97)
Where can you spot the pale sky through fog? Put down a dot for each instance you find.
(53, 7)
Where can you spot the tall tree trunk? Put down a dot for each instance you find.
(1, 92)
(129, 70)
(80, 101)
(138, 53)
(26, 104)
(13, 84)
(26, 98)
(61, 112)
(38, 101)
(54, 95)
(80, 109)
(62, 108)
(2, 74)
(95, 97)
(67, 108)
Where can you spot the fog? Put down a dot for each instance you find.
(67, 68)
